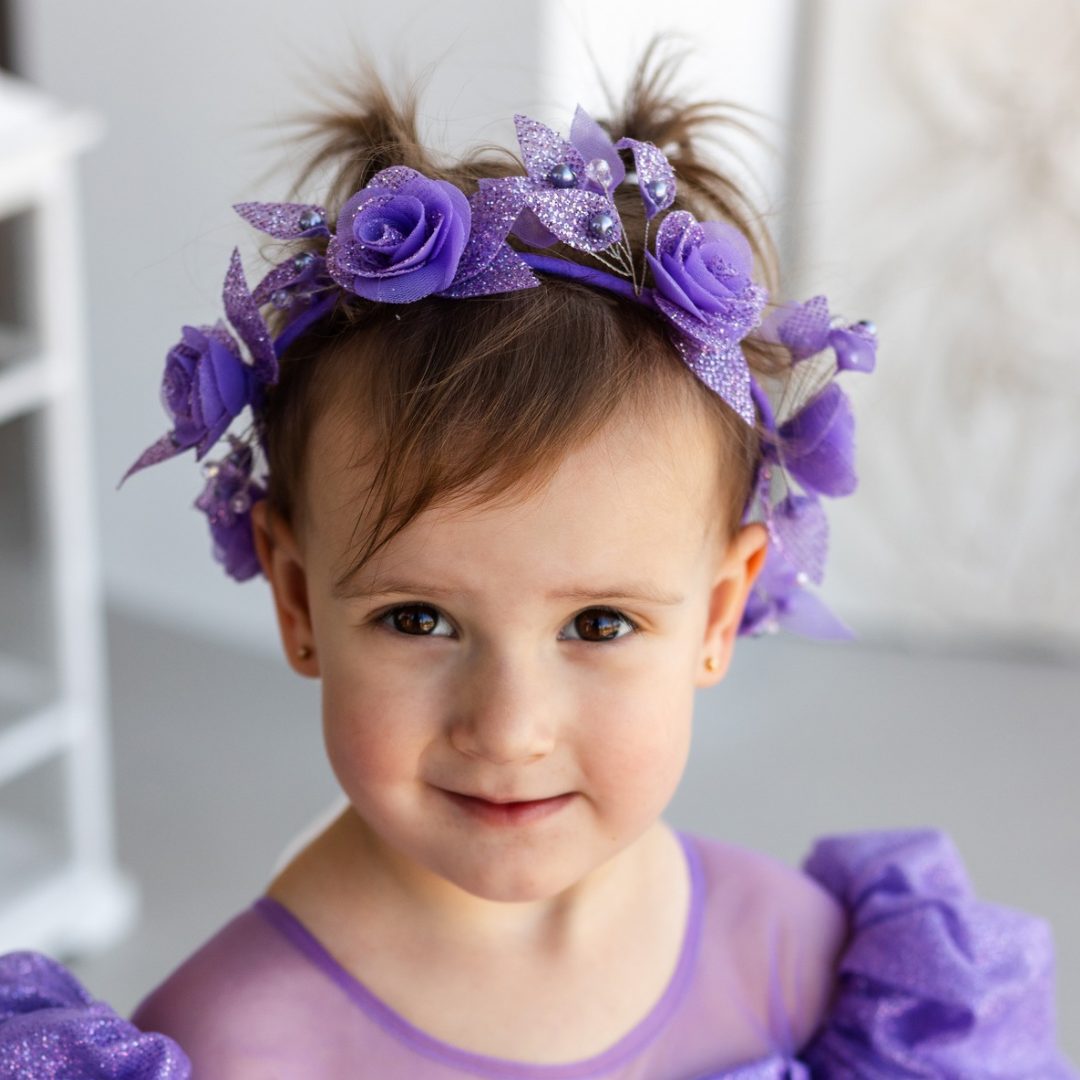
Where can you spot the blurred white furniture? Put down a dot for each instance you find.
(60, 889)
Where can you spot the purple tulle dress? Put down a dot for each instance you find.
(932, 983)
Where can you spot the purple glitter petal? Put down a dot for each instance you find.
(672, 230)
(717, 332)
(243, 313)
(527, 228)
(567, 214)
(505, 273)
(542, 149)
(800, 530)
(396, 177)
(286, 276)
(282, 220)
(494, 209)
(652, 167)
(593, 142)
(165, 448)
(724, 371)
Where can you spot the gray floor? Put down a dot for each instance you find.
(218, 764)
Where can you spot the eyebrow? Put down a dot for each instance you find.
(616, 591)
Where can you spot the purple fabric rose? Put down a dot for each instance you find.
(703, 285)
(227, 499)
(205, 387)
(400, 238)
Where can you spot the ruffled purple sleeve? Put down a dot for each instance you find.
(934, 983)
(52, 1029)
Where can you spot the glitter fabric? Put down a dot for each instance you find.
(653, 169)
(568, 215)
(243, 313)
(52, 1029)
(400, 238)
(297, 275)
(723, 371)
(542, 149)
(934, 983)
(284, 220)
(488, 265)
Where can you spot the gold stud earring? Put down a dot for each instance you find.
(711, 663)
(304, 652)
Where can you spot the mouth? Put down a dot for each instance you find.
(508, 812)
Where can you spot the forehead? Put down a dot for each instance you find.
(644, 490)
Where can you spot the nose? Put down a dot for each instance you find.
(502, 715)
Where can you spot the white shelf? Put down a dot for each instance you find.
(50, 904)
(60, 888)
(31, 741)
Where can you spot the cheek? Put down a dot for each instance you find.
(641, 736)
(375, 725)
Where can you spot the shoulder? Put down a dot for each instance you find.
(780, 929)
(244, 1000)
(931, 974)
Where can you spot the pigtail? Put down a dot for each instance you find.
(692, 136)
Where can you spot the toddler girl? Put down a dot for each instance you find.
(528, 454)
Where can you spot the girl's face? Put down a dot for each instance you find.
(507, 688)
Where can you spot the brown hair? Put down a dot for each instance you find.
(485, 396)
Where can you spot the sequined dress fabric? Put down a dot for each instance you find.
(932, 983)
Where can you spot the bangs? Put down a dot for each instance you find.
(451, 400)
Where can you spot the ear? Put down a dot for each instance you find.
(283, 564)
(740, 565)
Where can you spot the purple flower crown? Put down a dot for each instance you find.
(405, 236)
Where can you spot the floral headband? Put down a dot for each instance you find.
(405, 236)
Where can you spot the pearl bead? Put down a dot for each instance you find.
(311, 219)
(867, 325)
(240, 503)
(302, 261)
(211, 469)
(562, 176)
(602, 225)
(657, 190)
(280, 298)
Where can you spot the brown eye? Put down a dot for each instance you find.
(418, 620)
(597, 624)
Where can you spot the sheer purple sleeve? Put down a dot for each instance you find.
(934, 983)
(52, 1029)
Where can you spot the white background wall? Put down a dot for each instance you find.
(197, 95)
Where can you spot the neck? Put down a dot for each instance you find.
(348, 877)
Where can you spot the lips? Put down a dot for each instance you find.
(507, 812)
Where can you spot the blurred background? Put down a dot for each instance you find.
(922, 170)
